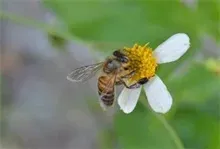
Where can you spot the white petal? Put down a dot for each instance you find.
(172, 49)
(158, 96)
(128, 98)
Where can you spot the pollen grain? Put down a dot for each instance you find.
(142, 61)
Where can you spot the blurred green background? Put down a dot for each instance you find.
(193, 81)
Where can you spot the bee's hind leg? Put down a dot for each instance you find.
(133, 86)
(120, 82)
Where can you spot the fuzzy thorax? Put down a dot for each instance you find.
(142, 61)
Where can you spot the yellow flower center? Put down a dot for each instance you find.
(142, 61)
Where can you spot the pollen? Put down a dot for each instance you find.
(141, 60)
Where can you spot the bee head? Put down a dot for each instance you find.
(120, 56)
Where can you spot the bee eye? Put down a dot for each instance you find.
(120, 56)
(117, 53)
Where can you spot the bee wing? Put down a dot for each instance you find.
(84, 73)
(110, 85)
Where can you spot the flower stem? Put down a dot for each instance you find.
(171, 131)
(167, 126)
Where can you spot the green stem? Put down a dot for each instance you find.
(167, 126)
(171, 131)
(36, 24)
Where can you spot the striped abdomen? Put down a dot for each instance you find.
(106, 90)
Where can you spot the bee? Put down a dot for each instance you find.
(135, 67)
(114, 71)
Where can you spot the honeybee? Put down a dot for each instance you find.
(114, 71)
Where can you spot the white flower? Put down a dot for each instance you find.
(157, 94)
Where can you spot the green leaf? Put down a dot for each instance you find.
(142, 129)
(50, 29)
(57, 41)
(197, 127)
(196, 85)
(125, 21)
(208, 12)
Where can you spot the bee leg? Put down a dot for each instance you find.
(139, 83)
(143, 81)
(129, 75)
(133, 86)
(120, 82)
